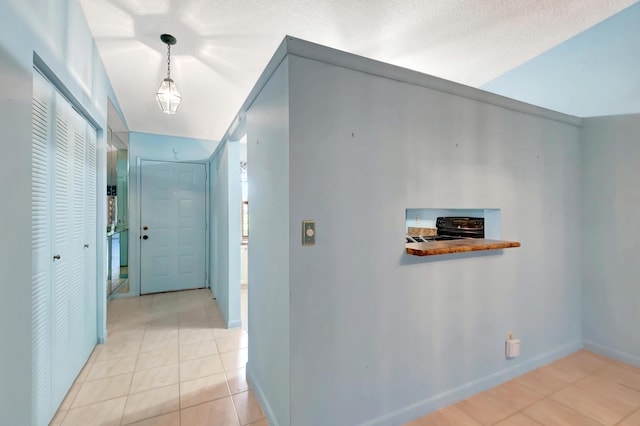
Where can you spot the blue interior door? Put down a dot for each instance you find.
(173, 226)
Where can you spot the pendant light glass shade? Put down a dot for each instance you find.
(168, 96)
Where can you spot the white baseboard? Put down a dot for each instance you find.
(262, 398)
(612, 353)
(452, 396)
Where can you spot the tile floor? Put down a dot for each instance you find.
(168, 361)
(582, 389)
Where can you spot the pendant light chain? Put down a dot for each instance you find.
(168, 61)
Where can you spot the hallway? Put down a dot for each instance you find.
(168, 361)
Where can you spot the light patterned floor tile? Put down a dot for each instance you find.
(233, 343)
(153, 403)
(84, 373)
(196, 312)
(200, 367)
(599, 399)
(195, 392)
(515, 394)
(550, 412)
(161, 333)
(200, 324)
(628, 377)
(171, 419)
(113, 367)
(126, 335)
(234, 360)
(518, 420)
(106, 413)
(237, 380)
(220, 412)
(485, 408)
(117, 350)
(154, 359)
(197, 350)
(102, 390)
(188, 336)
(152, 378)
(632, 420)
(58, 418)
(577, 365)
(448, 416)
(248, 408)
(543, 380)
(158, 344)
(71, 395)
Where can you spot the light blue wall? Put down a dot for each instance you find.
(611, 200)
(594, 73)
(57, 32)
(268, 369)
(147, 146)
(379, 337)
(226, 232)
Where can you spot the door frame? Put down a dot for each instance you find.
(135, 232)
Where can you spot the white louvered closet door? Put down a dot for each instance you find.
(63, 244)
(41, 171)
(91, 229)
(64, 235)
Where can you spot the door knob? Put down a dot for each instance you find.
(56, 257)
(145, 237)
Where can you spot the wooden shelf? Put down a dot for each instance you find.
(457, 246)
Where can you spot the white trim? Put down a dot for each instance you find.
(262, 398)
(612, 353)
(466, 390)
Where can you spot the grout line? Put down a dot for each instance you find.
(529, 417)
(629, 415)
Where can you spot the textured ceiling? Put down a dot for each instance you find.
(223, 45)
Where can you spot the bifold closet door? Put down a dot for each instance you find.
(41, 260)
(64, 235)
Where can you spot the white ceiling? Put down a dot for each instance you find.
(223, 45)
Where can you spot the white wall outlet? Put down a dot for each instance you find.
(512, 348)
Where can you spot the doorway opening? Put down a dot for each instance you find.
(173, 226)
(244, 245)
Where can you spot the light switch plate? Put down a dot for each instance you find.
(308, 232)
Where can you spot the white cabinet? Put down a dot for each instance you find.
(64, 247)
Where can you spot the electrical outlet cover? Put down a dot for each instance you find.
(308, 232)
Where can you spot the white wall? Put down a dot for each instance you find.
(146, 146)
(225, 231)
(56, 31)
(611, 200)
(379, 337)
(268, 369)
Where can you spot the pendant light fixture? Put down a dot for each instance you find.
(168, 96)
